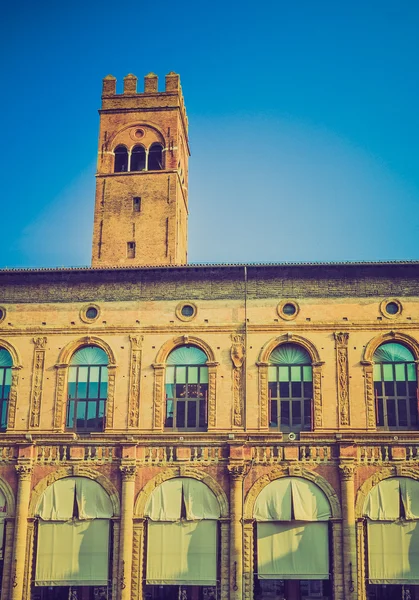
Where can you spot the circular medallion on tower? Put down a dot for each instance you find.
(90, 313)
(391, 308)
(288, 309)
(186, 311)
(137, 133)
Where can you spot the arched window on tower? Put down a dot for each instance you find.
(138, 159)
(395, 387)
(87, 389)
(290, 379)
(121, 159)
(6, 364)
(155, 157)
(186, 389)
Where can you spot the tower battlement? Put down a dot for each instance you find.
(150, 98)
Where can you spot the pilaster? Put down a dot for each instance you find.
(237, 473)
(346, 471)
(128, 473)
(24, 473)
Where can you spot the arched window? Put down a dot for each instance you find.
(182, 531)
(121, 159)
(137, 159)
(87, 389)
(292, 517)
(290, 380)
(155, 157)
(395, 387)
(392, 514)
(74, 519)
(6, 364)
(186, 389)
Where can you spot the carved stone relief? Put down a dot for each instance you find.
(317, 396)
(237, 356)
(369, 395)
(111, 397)
(158, 395)
(212, 393)
(263, 394)
(342, 376)
(134, 385)
(37, 380)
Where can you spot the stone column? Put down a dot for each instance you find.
(349, 531)
(24, 472)
(237, 473)
(127, 527)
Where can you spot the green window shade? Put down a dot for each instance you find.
(170, 374)
(203, 375)
(411, 372)
(290, 354)
(307, 374)
(5, 358)
(89, 355)
(393, 352)
(377, 372)
(272, 373)
(187, 355)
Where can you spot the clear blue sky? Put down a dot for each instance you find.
(303, 114)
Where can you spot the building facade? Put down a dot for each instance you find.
(193, 432)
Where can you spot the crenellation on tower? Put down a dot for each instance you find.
(143, 154)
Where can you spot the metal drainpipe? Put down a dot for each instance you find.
(245, 352)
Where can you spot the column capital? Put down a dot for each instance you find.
(24, 472)
(237, 472)
(346, 472)
(128, 472)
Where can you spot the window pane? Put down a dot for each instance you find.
(377, 372)
(180, 374)
(82, 382)
(413, 412)
(295, 373)
(296, 413)
(272, 389)
(380, 416)
(72, 389)
(401, 388)
(181, 391)
(202, 413)
(170, 390)
(400, 372)
(391, 413)
(192, 374)
(284, 390)
(72, 374)
(307, 415)
(180, 413)
(378, 388)
(389, 388)
(285, 413)
(274, 414)
(169, 413)
(8, 377)
(104, 374)
(94, 374)
(3, 419)
(91, 410)
(101, 409)
(170, 374)
(203, 390)
(307, 374)
(411, 386)
(308, 390)
(192, 391)
(411, 371)
(191, 422)
(388, 372)
(272, 373)
(296, 389)
(93, 389)
(283, 374)
(103, 390)
(70, 414)
(402, 412)
(203, 374)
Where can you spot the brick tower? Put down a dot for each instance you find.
(141, 208)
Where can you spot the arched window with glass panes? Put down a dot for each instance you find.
(395, 387)
(290, 384)
(6, 364)
(186, 389)
(87, 389)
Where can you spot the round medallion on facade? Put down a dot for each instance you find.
(89, 313)
(186, 311)
(288, 309)
(2, 313)
(137, 134)
(391, 308)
